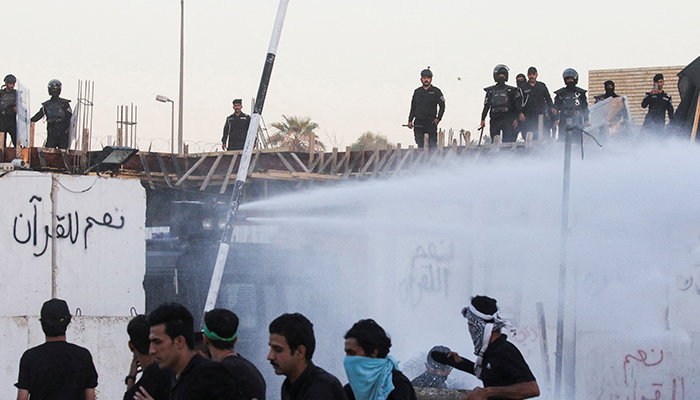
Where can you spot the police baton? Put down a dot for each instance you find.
(415, 126)
(481, 135)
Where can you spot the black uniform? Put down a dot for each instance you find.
(403, 390)
(58, 115)
(313, 384)
(155, 380)
(57, 370)
(505, 103)
(572, 108)
(249, 380)
(658, 105)
(427, 105)
(235, 130)
(204, 379)
(536, 101)
(8, 115)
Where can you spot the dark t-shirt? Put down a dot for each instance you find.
(248, 378)
(204, 379)
(57, 370)
(155, 381)
(403, 390)
(504, 365)
(313, 384)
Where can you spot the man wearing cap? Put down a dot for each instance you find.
(8, 109)
(536, 101)
(220, 336)
(236, 128)
(56, 369)
(499, 364)
(435, 373)
(427, 109)
(659, 102)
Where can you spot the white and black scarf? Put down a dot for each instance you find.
(480, 328)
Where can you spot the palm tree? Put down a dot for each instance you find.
(295, 134)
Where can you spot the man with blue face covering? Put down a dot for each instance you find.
(372, 373)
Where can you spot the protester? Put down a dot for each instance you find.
(427, 109)
(58, 116)
(571, 105)
(56, 369)
(659, 102)
(372, 373)
(435, 373)
(609, 91)
(220, 336)
(236, 128)
(154, 380)
(499, 364)
(292, 345)
(172, 346)
(505, 103)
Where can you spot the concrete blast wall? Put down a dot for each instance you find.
(79, 238)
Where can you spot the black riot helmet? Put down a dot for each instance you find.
(570, 73)
(54, 87)
(500, 69)
(10, 79)
(426, 72)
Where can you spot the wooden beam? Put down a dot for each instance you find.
(286, 163)
(694, 132)
(211, 172)
(191, 170)
(229, 171)
(301, 164)
(144, 163)
(161, 164)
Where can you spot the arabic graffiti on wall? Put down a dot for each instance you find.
(429, 273)
(645, 378)
(26, 229)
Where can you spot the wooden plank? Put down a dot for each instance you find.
(350, 167)
(286, 163)
(42, 157)
(694, 132)
(161, 164)
(418, 160)
(146, 170)
(64, 157)
(229, 171)
(378, 166)
(176, 165)
(340, 162)
(211, 172)
(394, 155)
(366, 167)
(252, 165)
(191, 170)
(318, 161)
(528, 140)
(496, 145)
(301, 164)
(334, 158)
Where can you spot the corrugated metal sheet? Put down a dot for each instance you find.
(634, 83)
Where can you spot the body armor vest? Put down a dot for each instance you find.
(500, 103)
(55, 111)
(571, 103)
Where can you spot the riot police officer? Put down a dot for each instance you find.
(609, 91)
(659, 102)
(427, 108)
(236, 128)
(571, 104)
(8, 109)
(58, 116)
(505, 103)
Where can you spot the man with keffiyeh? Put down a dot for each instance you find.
(372, 373)
(499, 364)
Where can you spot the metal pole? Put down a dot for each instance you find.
(245, 159)
(172, 128)
(180, 148)
(562, 264)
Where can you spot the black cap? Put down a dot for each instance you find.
(532, 70)
(55, 309)
(485, 305)
(237, 101)
(434, 364)
(427, 72)
(658, 77)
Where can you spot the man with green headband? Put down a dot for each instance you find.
(372, 373)
(220, 336)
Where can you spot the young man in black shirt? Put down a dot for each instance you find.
(659, 103)
(292, 344)
(427, 108)
(154, 380)
(56, 369)
(220, 336)
(536, 101)
(172, 346)
(372, 373)
(236, 128)
(499, 364)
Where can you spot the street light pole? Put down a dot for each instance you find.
(180, 147)
(165, 99)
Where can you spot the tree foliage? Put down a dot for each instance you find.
(295, 133)
(369, 140)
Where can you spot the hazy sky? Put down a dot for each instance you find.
(350, 66)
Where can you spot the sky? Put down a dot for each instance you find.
(349, 66)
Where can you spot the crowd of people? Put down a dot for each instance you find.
(528, 107)
(57, 111)
(168, 363)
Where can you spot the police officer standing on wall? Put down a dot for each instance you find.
(236, 128)
(427, 108)
(8, 109)
(609, 91)
(571, 104)
(536, 101)
(659, 102)
(58, 115)
(505, 103)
